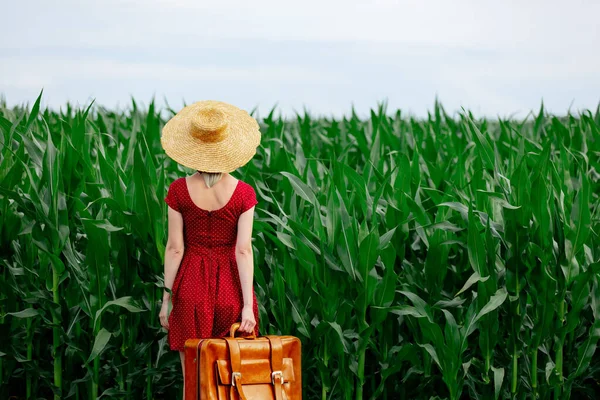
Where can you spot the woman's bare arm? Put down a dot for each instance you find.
(174, 250)
(244, 256)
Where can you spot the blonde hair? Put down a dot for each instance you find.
(210, 178)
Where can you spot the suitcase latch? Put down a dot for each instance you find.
(279, 373)
(233, 375)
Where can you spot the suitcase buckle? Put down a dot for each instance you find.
(276, 373)
(233, 375)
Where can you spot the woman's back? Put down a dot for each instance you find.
(210, 227)
(214, 197)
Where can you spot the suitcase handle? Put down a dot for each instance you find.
(235, 327)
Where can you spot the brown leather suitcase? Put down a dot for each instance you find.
(243, 368)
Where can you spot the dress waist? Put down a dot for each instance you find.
(211, 248)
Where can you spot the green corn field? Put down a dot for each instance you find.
(447, 257)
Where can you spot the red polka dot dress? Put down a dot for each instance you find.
(207, 294)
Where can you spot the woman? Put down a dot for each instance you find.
(208, 258)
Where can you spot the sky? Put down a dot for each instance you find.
(495, 58)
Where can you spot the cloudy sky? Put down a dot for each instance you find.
(493, 57)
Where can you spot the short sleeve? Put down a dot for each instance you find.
(171, 198)
(249, 200)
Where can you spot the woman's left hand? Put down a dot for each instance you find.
(163, 315)
(248, 321)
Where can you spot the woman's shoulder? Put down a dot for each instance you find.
(179, 181)
(174, 193)
(245, 186)
(247, 195)
(177, 184)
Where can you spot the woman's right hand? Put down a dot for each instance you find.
(164, 318)
(248, 321)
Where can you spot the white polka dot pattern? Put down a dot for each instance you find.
(207, 294)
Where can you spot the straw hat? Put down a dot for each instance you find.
(211, 136)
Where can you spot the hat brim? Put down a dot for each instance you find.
(242, 137)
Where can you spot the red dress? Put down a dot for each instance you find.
(207, 293)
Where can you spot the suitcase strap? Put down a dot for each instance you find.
(236, 375)
(276, 367)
